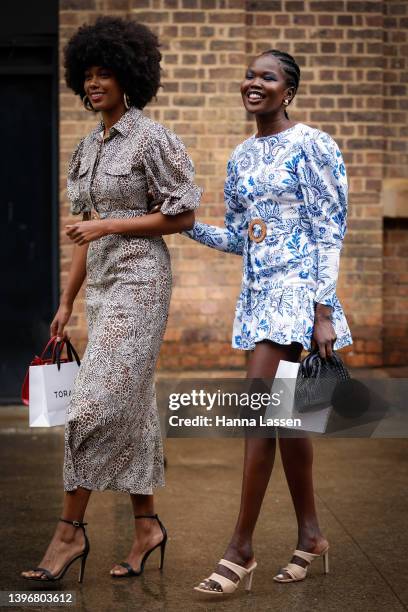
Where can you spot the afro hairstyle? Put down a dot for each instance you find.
(126, 47)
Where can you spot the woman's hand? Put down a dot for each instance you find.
(60, 320)
(86, 231)
(324, 335)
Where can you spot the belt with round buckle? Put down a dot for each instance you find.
(257, 230)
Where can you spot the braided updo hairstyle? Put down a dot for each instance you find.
(290, 68)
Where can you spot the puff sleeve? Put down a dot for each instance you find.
(231, 237)
(72, 179)
(323, 183)
(170, 173)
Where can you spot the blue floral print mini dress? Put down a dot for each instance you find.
(286, 207)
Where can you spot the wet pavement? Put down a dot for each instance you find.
(361, 490)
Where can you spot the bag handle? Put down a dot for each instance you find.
(50, 341)
(53, 341)
(71, 352)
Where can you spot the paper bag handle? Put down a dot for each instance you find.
(71, 352)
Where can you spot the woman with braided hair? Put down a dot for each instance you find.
(286, 204)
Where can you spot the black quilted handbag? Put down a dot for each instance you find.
(317, 380)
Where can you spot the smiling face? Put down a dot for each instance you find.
(102, 88)
(264, 87)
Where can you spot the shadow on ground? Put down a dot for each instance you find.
(361, 488)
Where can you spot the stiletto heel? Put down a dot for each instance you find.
(298, 572)
(227, 585)
(82, 569)
(162, 544)
(248, 581)
(162, 550)
(47, 576)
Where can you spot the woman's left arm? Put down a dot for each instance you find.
(323, 182)
(170, 179)
(155, 224)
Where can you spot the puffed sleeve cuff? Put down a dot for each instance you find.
(170, 173)
(177, 203)
(328, 270)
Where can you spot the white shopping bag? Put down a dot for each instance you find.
(285, 384)
(50, 392)
(283, 387)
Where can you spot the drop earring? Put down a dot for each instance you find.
(87, 104)
(126, 101)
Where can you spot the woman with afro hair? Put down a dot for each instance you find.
(112, 432)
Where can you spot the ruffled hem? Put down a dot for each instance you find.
(282, 315)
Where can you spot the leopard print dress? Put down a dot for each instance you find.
(112, 431)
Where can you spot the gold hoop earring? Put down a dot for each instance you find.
(87, 104)
(126, 101)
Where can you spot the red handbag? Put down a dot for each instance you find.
(57, 348)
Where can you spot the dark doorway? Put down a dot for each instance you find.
(29, 197)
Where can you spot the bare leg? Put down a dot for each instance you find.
(297, 459)
(258, 463)
(67, 541)
(147, 533)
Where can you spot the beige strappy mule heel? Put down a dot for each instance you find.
(228, 586)
(297, 572)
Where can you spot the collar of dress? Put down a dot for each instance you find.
(123, 126)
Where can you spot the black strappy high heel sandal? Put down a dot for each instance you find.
(162, 544)
(49, 577)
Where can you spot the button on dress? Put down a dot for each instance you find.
(112, 432)
(293, 185)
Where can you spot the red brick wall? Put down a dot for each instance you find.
(395, 292)
(351, 87)
(203, 57)
(395, 285)
(396, 89)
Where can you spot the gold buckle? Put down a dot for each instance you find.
(260, 237)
